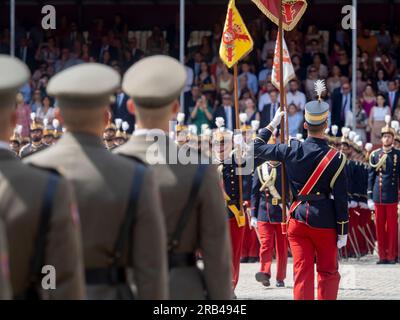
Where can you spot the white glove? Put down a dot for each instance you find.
(253, 222)
(238, 139)
(342, 241)
(363, 205)
(353, 204)
(276, 121)
(371, 204)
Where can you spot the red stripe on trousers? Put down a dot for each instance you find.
(271, 237)
(236, 233)
(386, 230)
(308, 245)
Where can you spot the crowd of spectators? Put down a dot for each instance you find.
(209, 89)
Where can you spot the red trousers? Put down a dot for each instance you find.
(365, 220)
(307, 244)
(386, 230)
(354, 233)
(271, 236)
(237, 241)
(250, 246)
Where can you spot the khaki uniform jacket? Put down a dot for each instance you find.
(22, 190)
(102, 184)
(207, 228)
(5, 285)
(30, 149)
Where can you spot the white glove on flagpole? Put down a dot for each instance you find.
(253, 222)
(342, 241)
(371, 204)
(276, 121)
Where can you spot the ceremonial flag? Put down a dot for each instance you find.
(236, 41)
(288, 70)
(292, 11)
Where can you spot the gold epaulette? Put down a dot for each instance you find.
(342, 165)
(381, 161)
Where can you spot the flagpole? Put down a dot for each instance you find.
(283, 124)
(236, 94)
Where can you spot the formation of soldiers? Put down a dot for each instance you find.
(119, 218)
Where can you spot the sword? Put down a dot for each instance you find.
(367, 239)
(356, 241)
(353, 246)
(372, 237)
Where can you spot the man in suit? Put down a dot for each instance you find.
(119, 205)
(137, 54)
(106, 46)
(26, 53)
(392, 97)
(206, 229)
(37, 208)
(226, 111)
(269, 110)
(341, 105)
(120, 110)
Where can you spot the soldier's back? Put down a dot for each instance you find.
(206, 229)
(103, 185)
(24, 192)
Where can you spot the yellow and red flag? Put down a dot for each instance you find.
(236, 40)
(292, 11)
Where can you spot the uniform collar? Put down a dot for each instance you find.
(81, 138)
(316, 140)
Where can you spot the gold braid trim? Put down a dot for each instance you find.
(381, 162)
(343, 163)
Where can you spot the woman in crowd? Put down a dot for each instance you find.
(333, 81)
(377, 119)
(23, 114)
(344, 63)
(295, 120)
(322, 70)
(202, 113)
(36, 102)
(46, 110)
(205, 80)
(225, 80)
(368, 99)
(381, 83)
(251, 111)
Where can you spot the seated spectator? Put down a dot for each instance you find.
(136, 53)
(266, 72)
(225, 80)
(36, 102)
(46, 110)
(39, 72)
(245, 94)
(361, 122)
(344, 63)
(205, 80)
(156, 42)
(250, 110)
(252, 82)
(23, 112)
(381, 83)
(202, 113)
(65, 61)
(268, 111)
(385, 62)
(333, 81)
(368, 42)
(295, 120)
(295, 96)
(368, 99)
(322, 70)
(383, 38)
(377, 119)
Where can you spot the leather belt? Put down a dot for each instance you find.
(109, 276)
(181, 260)
(311, 197)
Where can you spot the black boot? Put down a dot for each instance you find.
(263, 278)
(391, 262)
(382, 262)
(280, 283)
(244, 260)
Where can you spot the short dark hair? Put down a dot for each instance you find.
(316, 128)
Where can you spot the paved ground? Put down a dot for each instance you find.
(361, 280)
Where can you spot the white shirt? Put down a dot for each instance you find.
(189, 79)
(392, 95)
(298, 98)
(264, 99)
(4, 145)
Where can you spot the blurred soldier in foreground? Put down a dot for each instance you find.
(5, 284)
(38, 210)
(36, 135)
(318, 216)
(121, 217)
(192, 202)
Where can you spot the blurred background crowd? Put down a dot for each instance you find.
(315, 54)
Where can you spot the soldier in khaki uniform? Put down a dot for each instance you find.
(5, 285)
(122, 223)
(37, 210)
(155, 103)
